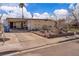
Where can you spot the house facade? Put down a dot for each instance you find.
(30, 24)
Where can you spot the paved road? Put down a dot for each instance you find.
(70, 48)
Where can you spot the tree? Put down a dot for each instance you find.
(74, 12)
(56, 24)
(21, 5)
(75, 20)
(60, 23)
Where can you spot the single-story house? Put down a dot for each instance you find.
(30, 24)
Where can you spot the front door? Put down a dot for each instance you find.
(11, 24)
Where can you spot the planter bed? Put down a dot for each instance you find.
(53, 35)
(61, 35)
(77, 32)
(39, 33)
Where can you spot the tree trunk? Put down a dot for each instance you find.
(22, 13)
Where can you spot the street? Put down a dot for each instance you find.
(70, 48)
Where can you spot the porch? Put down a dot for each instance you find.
(18, 25)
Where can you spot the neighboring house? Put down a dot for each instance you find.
(30, 24)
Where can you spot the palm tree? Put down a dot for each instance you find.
(21, 5)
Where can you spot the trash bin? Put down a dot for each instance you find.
(6, 29)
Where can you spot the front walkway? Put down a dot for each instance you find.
(21, 41)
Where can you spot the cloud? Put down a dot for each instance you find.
(14, 11)
(8, 8)
(44, 15)
(36, 15)
(61, 13)
(52, 17)
(71, 6)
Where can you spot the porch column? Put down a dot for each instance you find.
(29, 24)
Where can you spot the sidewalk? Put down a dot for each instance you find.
(26, 41)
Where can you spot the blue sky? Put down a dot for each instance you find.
(41, 7)
(37, 10)
(46, 7)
